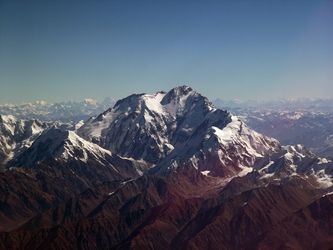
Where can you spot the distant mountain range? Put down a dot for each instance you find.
(298, 104)
(62, 111)
(167, 170)
(304, 121)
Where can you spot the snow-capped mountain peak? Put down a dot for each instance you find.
(59, 144)
(90, 101)
(164, 127)
(148, 126)
(16, 135)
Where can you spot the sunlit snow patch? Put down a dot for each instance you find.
(206, 172)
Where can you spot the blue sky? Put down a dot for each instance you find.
(73, 49)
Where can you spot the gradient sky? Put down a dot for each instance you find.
(73, 49)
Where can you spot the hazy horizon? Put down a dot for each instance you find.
(246, 50)
(217, 99)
